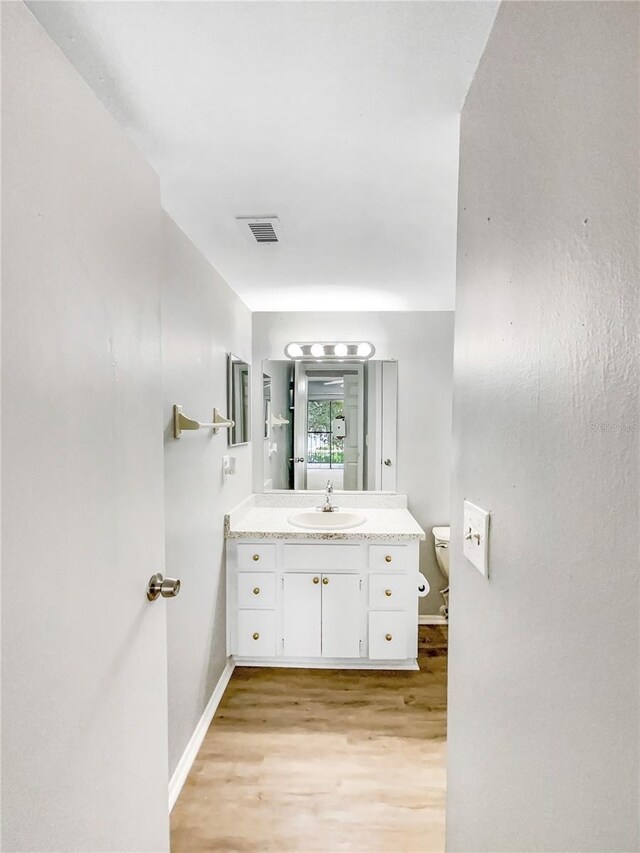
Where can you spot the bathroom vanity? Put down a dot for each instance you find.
(334, 598)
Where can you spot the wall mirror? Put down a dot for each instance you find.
(330, 421)
(238, 391)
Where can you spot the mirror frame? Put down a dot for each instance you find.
(231, 361)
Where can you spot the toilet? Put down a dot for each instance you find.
(441, 539)
(441, 536)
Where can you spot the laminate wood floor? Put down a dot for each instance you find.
(322, 760)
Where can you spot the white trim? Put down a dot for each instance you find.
(188, 756)
(326, 663)
(432, 619)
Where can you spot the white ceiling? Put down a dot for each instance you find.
(339, 117)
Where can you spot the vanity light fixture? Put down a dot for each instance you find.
(338, 351)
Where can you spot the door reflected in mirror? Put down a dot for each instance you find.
(238, 378)
(266, 404)
(330, 422)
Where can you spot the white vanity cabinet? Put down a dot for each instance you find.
(322, 603)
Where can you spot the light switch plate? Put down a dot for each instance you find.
(476, 537)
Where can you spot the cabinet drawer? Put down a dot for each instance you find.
(323, 557)
(257, 590)
(256, 633)
(387, 636)
(256, 556)
(385, 557)
(388, 592)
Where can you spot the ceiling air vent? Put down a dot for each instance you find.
(262, 230)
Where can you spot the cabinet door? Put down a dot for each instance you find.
(256, 556)
(257, 590)
(389, 592)
(256, 633)
(341, 616)
(387, 636)
(301, 614)
(382, 558)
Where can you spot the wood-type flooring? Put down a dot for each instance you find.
(322, 760)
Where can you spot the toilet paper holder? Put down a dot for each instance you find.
(423, 585)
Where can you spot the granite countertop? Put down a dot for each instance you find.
(270, 522)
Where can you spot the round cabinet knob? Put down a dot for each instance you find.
(325, 581)
(256, 636)
(256, 557)
(388, 637)
(387, 592)
(316, 580)
(256, 590)
(387, 558)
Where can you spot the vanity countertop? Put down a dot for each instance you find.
(270, 522)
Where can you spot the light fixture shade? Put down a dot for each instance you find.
(330, 351)
(293, 350)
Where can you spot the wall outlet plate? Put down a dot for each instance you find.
(229, 465)
(476, 537)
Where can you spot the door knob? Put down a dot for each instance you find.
(296, 459)
(316, 580)
(325, 581)
(387, 462)
(166, 587)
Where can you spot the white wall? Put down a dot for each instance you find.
(202, 320)
(84, 694)
(422, 342)
(543, 721)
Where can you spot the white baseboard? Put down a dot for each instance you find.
(188, 756)
(435, 619)
(327, 663)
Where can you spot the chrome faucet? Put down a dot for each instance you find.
(328, 506)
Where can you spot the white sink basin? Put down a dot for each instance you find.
(314, 520)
